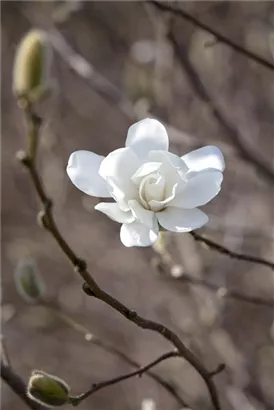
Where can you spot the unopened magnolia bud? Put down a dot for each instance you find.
(29, 282)
(48, 390)
(31, 65)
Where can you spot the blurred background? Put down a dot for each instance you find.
(113, 59)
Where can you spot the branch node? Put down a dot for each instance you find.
(37, 121)
(43, 219)
(23, 157)
(79, 265)
(48, 204)
(88, 290)
(131, 314)
(218, 370)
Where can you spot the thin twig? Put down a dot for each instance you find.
(47, 219)
(220, 37)
(218, 370)
(165, 264)
(244, 149)
(18, 386)
(227, 293)
(221, 291)
(85, 70)
(98, 386)
(107, 347)
(233, 255)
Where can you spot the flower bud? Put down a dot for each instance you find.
(48, 390)
(31, 65)
(28, 281)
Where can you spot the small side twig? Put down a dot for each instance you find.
(245, 151)
(85, 70)
(107, 347)
(218, 370)
(18, 386)
(98, 386)
(165, 265)
(165, 7)
(223, 292)
(233, 255)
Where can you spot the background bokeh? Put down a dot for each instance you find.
(131, 45)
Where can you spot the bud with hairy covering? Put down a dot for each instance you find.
(32, 65)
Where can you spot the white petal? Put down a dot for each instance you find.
(181, 220)
(144, 170)
(83, 171)
(167, 157)
(199, 190)
(118, 195)
(204, 158)
(137, 234)
(113, 211)
(118, 163)
(141, 214)
(173, 168)
(147, 135)
(119, 166)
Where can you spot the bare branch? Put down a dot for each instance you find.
(18, 386)
(218, 370)
(220, 37)
(84, 69)
(244, 150)
(233, 255)
(98, 386)
(107, 347)
(165, 264)
(47, 220)
(227, 293)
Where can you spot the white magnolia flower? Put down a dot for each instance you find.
(151, 187)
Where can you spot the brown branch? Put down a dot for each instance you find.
(233, 255)
(93, 78)
(219, 369)
(107, 347)
(48, 222)
(244, 149)
(228, 293)
(19, 387)
(220, 37)
(98, 386)
(165, 265)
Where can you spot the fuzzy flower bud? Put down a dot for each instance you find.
(29, 281)
(48, 390)
(31, 65)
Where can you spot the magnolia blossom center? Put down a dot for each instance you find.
(152, 191)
